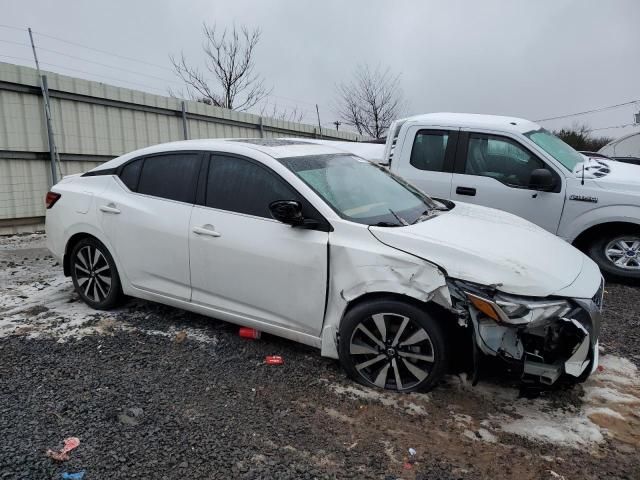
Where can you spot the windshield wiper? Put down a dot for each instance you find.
(399, 218)
(423, 216)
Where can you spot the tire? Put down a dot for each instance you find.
(617, 255)
(94, 274)
(389, 361)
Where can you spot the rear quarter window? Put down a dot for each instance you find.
(131, 173)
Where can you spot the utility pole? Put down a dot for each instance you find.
(319, 126)
(337, 123)
(47, 113)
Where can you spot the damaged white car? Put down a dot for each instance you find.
(312, 243)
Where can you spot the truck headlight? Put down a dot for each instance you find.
(515, 310)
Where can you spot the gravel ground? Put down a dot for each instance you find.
(156, 392)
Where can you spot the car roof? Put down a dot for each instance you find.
(274, 147)
(474, 120)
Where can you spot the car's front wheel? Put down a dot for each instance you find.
(94, 274)
(392, 344)
(617, 255)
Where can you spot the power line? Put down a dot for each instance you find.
(289, 99)
(103, 51)
(608, 128)
(588, 111)
(17, 58)
(108, 66)
(13, 28)
(21, 44)
(147, 63)
(143, 85)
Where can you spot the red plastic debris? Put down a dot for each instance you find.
(246, 332)
(407, 466)
(63, 455)
(273, 360)
(600, 368)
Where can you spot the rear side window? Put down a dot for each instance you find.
(131, 173)
(429, 150)
(171, 176)
(237, 185)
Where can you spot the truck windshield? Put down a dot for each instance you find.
(555, 147)
(361, 191)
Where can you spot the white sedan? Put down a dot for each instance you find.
(312, 243)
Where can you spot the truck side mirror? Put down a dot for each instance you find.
(541, 180)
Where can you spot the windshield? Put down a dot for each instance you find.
(555, 147)
(361, 191)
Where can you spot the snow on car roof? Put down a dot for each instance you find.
(474, 120)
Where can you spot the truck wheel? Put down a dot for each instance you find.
(617, 255)
(394, 345)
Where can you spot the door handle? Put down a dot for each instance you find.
(466, 191)
(206, 230)
(111, 208)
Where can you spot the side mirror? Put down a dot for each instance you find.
(541, 179)
(287, 211)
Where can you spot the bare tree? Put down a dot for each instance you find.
(230, 61)
(287, 115)
(370, 101)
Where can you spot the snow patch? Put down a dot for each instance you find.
(572, 431)
(609, 409)
(388, 399)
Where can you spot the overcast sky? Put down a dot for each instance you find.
(532, 59)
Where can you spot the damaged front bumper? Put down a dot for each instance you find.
(543, 339)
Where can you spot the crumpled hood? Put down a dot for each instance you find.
(490, 247)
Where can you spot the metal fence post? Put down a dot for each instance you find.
(47, 111)
(52, 143)
(185, 131)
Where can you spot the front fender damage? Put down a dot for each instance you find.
(361, 272)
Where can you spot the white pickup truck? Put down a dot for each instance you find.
(515, 165)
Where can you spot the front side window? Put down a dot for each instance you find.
(500, 158)
(361, 191)
(555, 147)
(428, 151)
(238, 185)
(171, 176)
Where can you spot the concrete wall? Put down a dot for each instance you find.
(94, 122)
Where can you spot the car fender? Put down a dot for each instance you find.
(380, 269)
(87, 228)
(599, 216)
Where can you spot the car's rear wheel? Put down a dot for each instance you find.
(94, 274)
(618, 255)
(393, 345)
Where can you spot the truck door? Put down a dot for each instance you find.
(494, 171)
(428, 162)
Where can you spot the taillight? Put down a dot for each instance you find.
(51, 199)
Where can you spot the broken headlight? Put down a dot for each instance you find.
(514, 310)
